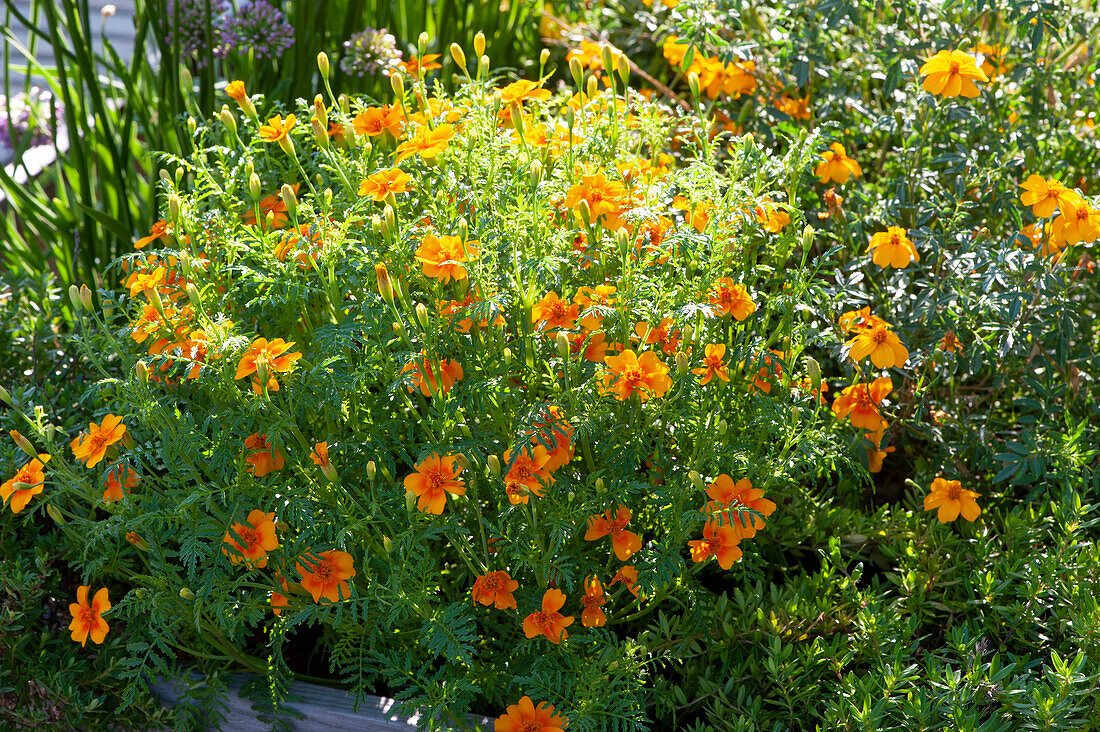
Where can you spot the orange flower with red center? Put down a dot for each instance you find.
(274, 205)
(495, 588)
(860, 403)
(159, 232)
(27, 483)
(251, 541)
(88, 619)
(444, 257)
(551, 313)
(426, 143)
(377, 121)
(435, 477)
(594, 346)
(262, 457)
(625, 543)
(770, 370)
(836, 166)
(116, 488)
(549, 621)
(720, 542)
(604, 197)
(271, 357)
(628, 374)
(593, 598)
(713, 364)
(731, 299)
(528, 474)
(141, 282)
(91, 447)
(277, 129)
(526, 717)
(893, 248)
(306, 244)
(1079, 222)
(591, 297)
(881, 344)
(557, 431)
(424, 374)
(325, 575)
(951, 500)
(628, 575)
(727, 500)
(660, 334)
(383, 183)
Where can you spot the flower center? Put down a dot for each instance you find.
(248, 536)
(633, 374)
(87, 617)
(591, 600)
(955, 67)
(531, 726)
(436, 479)
(491, 582)
(954, 491)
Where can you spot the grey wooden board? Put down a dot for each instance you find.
(322, 708)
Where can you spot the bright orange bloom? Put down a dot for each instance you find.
(443, 257)
(117, 489)
(728, 498)
(731, 299)
(424, 370)
(271, 355)
(718, 541)
(591, 55)
(660, 334)
(556, 430)
(595, 348)
(435, 477)
(306, 244)
(277, 129)
(856, 321)
(92, 446)
(713, 365)
(427, 143)
(892, 248)
(263, 457)
(278, 599)
(88, 619)
(836, 166)
(950, 343)
(235, 90)
(526, 717)
(951, 500)
(528, 475)
(549, 621)
(159, 232)
(628, 575)
(1044, 196)
(860, 403)
(495, 588)
(604, 197)
(593, 615)
(625, 543)
(698, 214)
(325, 575)
(551, 313)
(320, 458)
(274, 205)
(770, 371)
(793, 107)
(27, 482)
(453, 309)
(427, 62)
(518, 91)
(376, 121)
(881, 344)
(384, 182)
(251, 541)
(951, 74)
(993, 64)
(627, 374)
(1079, 222)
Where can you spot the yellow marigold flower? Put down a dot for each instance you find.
(604, 197)
(881, 344)
(993, 64)
(951, 74)
(731, 299)
(88, 619)
(519, 91)
(235, 90)
(951, 500)
(376, 121)
(1078, 223)
(713, 365)
(277, 129)
(1044, 196)
(893, 248)
(443, 257)
(92, 446)
(552, 312)
(381, 184)
(435, 477)
(836, 166)
(674, 51)
(427, 143)
(627, 373)
(27, 482)
(792, 107)
(272, 356)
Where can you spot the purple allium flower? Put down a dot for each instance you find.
(369, 51)
(25, 119)
(259, 28)
(188, 22)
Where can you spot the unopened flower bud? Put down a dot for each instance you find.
(192, 125)
(577, 72)
(290, 200)
(693, 84)
(544, 56)
(517, 117)
(813, 369)
(422, 43)
(507, 355)
(55, 514)
(254, 187)
(86, 297)
(622, 240)
(387, 544)
(287, 145)
(622, 65)
(600, 487)
(585, 212)
(187, 82)
(459, 56)
(479, 43)
(74, 296)
(397, 82)
(165, 175)
(187, 594)
(563, 345)
(142, 372)
(193, 295)
(807, 237)
(410, 501)
(174, 207)
(606, 58)
(493, 464)
(134, 538)
(422, 316)
(263, 373)
(391, 218)
(696, 479)
(153, 296)
(463, 229)
(482, 66)
(108, 11)
(320, 134)
(385, 287)
(322, 64)
(23, 443)
(376, 223)
(399, 329)
(593, 87)
(269, 219)
(228, 120)
(534, 173)
(372, 470)
(681, 363)
(723, 425)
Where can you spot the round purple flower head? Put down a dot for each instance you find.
(259, 28)
(188, 23)
(370, 51)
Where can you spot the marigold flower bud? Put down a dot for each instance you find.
(290, 200)
(228, 120)
(534, 174)
(187, 594)
(23, 443)
(622, 240)
(605, 57)
(74, 296)
(193, 295)
(681, 363)
(517, 118)
(482, 66)
(263, 373)
(493, 464)
(696, 479)
(86, 297)
(397, 82)
(287, 145)
(320, 134)
(55, 514)
(585, 212)
(387, 544)
(600, 487)
(422, 315)
(422, 43)
(399, 329)
(142, 372)
(385, 287)
(391, 218)
(158, 304)
(723, 425)
(165, 175)
(463, 229)
(187, 82)
(5, 396)
(693, 84)
(134, 538)
(322, 64)
(622, 65)
(192, 125)
(479, 43)
(270, 219)
(813, 368)
(577, 72)
(593, 87)
(319, 110)
(376, 223)
(390, 200)
(459, 56)
(410, 501)
(563, 345)
(544, 56)
(507, 355)
(254, 186)
(174, 207)
(372, 470)
(807, 237)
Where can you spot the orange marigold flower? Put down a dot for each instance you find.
(528, 474)
(526, 717)
(427, 62)
(427, 143)
(251, 541)
(518, 91)
(452, 309)
(1044, 196)
(235, 90)
(856, 321)
(698, 214)
(594, 346)
(274, 205)
(325, 575)
(860, 403)
(604, 197)
(627, 374)
(728, 498)
(792, 107)
(769, 372)
(443, 257)
(549, 621)
(278, 599)
(272, 356)
(950, 343)
(951, 74)
(731, 299)
(557, 431)
(591, 55)
(881, 344)
(718, 541)
(551, 312)
(376, 121)
(713, 365)
(27, 482)
(495, 588)
(1079, 222)
(951, 500)
(383, 183)
(625, 543)
(435, 477)
(92, 446)
(836, 166)
(320, 458)
(660, 334)
(892, 248)
(159, 232)
(628, 575)
(88, 619)
(424, 371)
(116, 488)
(277, 129)
(263, 457)
(593, 615)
